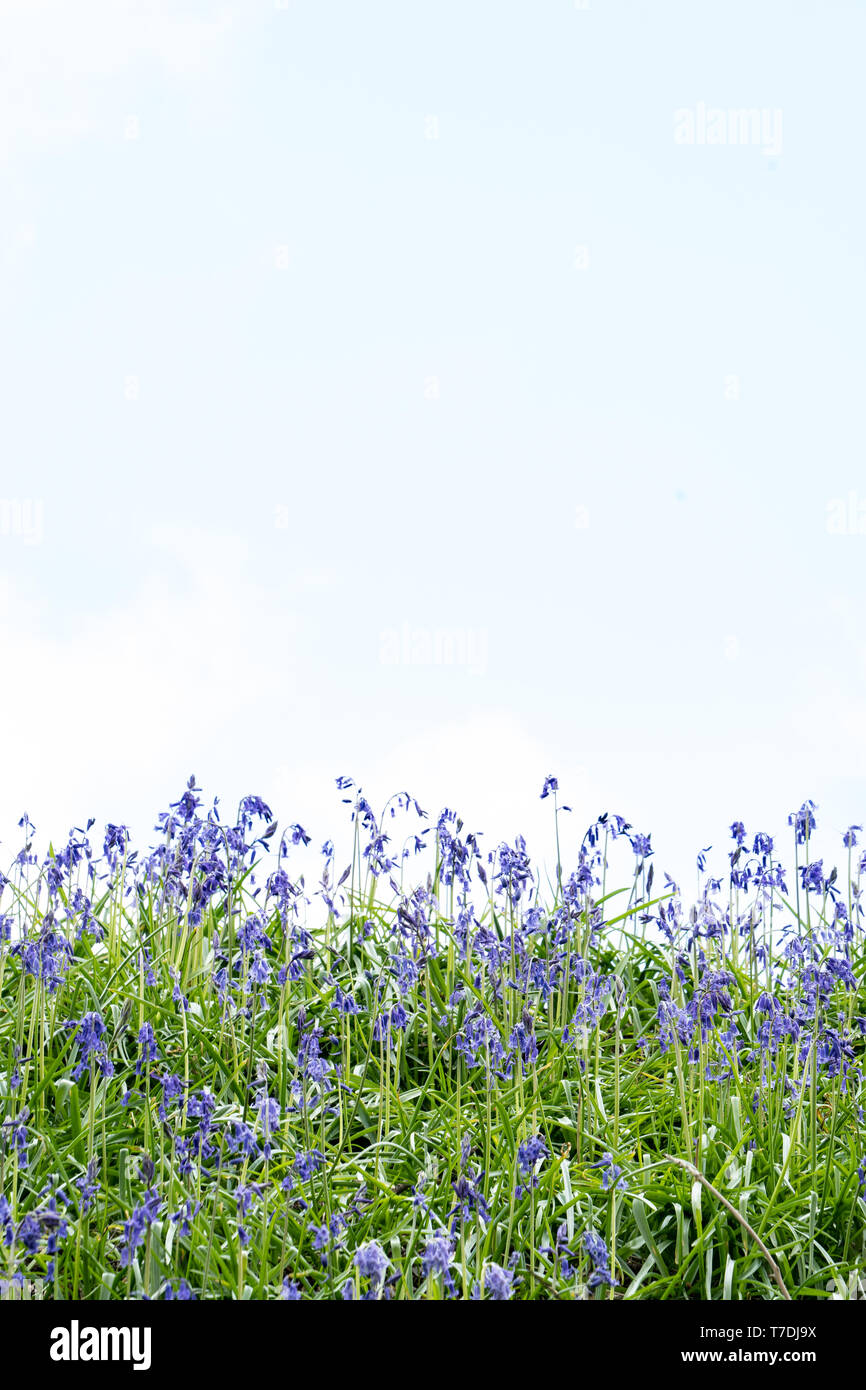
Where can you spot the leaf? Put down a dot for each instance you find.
(696, 1208)
(730, 1269)
(639, 1213)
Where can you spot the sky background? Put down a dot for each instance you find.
(392, 389)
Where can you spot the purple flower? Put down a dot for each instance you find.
(149, 1050)
(183, 1291)
(89, 1034)
(134, 1229)
(172, 1089)
(529, 1152)
(372, 1263)
(253, 806)
(17, 1133)
(812, 876)
(597, 1251)
(243, 1141)
(437, 1258)
(611, 1173)
(307, 1163)
(184, 1215)
(498, 1282)
(514, 874)
(88, 1186)
(47, 957)
(803, 821)
(269, 1116)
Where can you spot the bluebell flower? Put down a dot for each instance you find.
(29, 1233)
(529, 1152)
(812, 876)
(6, 1221)
(598, 1253)
(467, 1189)
(177, 996)
(514, 872)
(144, 960)
(243, 1141)
(115, 843)
(498, 1282)
(135, 1228)
(641, 845)
(172, 1090)
(15, 1132)
(437, 1259)
(372, 1263)
(345, 1002)
(90, 1037)
(307, 1163)
(185, 1213)
(803, 821)
(610, 1173)
(269, 1118)
(46, 957)
(321, 1240)
(183, 1291)
(88, 1186)
(147, 1044)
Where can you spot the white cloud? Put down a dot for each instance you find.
(53, 52)
(95, 37)
(128, 701)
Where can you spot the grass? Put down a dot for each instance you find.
(432, 1076)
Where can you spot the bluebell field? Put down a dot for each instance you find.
(434, 1071)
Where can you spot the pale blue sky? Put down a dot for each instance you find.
(297, 349)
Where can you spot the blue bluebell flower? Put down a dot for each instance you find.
(598, 1253)
(498, 1282)
(372, 1263)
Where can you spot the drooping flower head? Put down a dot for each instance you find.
(372, 1263)
(498, 1282)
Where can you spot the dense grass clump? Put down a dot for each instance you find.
(432, 1076)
